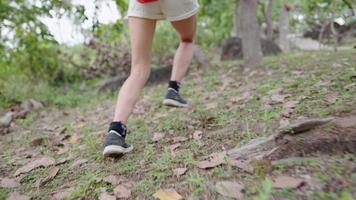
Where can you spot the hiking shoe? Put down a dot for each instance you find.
(174, 99)
(115, 145)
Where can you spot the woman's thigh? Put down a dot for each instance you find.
(141, 33)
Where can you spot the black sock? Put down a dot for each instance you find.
(119, 127)
(174, 85)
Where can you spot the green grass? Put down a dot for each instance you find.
(151, 165)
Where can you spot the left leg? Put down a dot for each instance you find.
(186, 29)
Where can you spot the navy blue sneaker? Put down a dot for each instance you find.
(115, 145)
(174, 99)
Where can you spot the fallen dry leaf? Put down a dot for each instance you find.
(230, 189)
(245, 166)
(179, 139)
(79, 163)
(62, 150)
(74, 138)
(122, 191)
(214, 160)
(211, 105)
(277, 98)
(288, 108)
(10, 182)
(167, 194)
(283, 182)
(197, 135)
(331, 98)
(43, 161)
(114, 180)
(18, 196)
(157, 136)
(180, 171)
(63, 160)
(51, 174)
(174, 147)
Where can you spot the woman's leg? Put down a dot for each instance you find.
(141, 32)
(186, 29)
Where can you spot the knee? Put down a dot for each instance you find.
(187, 40)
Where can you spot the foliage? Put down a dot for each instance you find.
(25, 40)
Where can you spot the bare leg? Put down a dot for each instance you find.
(141, 32)
(186, 29)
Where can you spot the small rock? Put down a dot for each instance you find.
(6, 120)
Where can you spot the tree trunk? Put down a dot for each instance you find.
(236, 20)
(251, 44)
(269, 22)
(283, 29)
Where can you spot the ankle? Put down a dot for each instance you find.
(118, 127)
(174, 85)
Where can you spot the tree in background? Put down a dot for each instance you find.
(269, 20)
(251, 44)
(284, 28)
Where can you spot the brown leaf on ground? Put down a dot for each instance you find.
(43, 161)
(283, 182)
(179, 139)
(79, 163)
(62, 131)
(174, 147)
(114, 180)
(331, 98)
(63, 160)
(211, 105)
(51, 174)
(230, 189)
(214, 160)
(122, 191)
(197, 135)
(60, 195)
(277, 98)
(288, 108)
(167, 194)
(245, 166)
(180, 171)
(74, 138)
(10, 182)
(61, 150)
(105, 196)
(157, 136)
(18, 196)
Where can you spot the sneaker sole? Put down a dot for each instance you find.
(113, 150)
(171, 102)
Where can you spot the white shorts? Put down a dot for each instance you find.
(171, 10)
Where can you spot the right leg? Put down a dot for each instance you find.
(141, 31)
